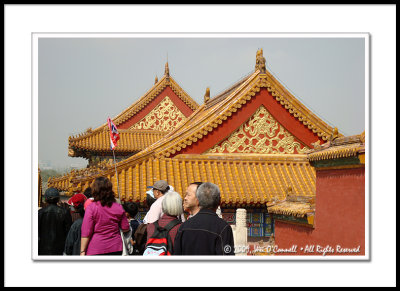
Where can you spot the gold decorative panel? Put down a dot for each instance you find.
(164, 117)
(260, 134)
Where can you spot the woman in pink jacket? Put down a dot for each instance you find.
(103, 219)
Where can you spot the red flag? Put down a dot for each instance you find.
(114, 135)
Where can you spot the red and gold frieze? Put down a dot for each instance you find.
(164, 117)
(260, 134)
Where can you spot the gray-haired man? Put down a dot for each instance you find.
(205, 233)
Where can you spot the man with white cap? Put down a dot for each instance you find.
(159, 189)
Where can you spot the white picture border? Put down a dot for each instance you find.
(333, 257)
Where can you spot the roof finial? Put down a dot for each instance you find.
(166, 70)
(156, 80)
(260, 61)
(207, 95)
(334, 135)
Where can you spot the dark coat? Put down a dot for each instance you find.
(54, 224)
(73, 240)
(204, 234)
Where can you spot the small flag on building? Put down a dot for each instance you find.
(114, 135)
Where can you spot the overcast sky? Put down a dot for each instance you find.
(82, 81)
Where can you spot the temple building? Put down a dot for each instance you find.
(255, 141)
(147, 120)
(161, 109)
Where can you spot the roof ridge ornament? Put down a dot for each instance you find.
(156, 80)
(207, 95)
(166, 72)
(260, 61)
(334, 135)
(362, 137)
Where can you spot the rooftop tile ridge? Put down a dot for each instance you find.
(160, 84)
(339, 143)
(142, 131)
(189, 99)
(303, 112)
(346, 140)
(141, 155)
(240, 157)
(213, 116)
(224, 94)
(141, 99)
(83, 135)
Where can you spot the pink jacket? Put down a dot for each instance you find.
(101, 224)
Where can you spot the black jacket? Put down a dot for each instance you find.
(73, 240)
(204, 234)
(54, 224)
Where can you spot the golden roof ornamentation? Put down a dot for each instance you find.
(339, 147)
(164, 117)
(233, 171)
(149, 96)
(317, 144)
(260, 62)
(260, 134)
(206, 118)
(334, 135)
(97, 139)
(207, 95)
(211, 115)
(166, 72)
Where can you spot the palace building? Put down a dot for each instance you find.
(256, 141)
(147, 120)
(162, 108)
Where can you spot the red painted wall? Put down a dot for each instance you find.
(167, 91)
(339, 218)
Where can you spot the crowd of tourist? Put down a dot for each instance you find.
(95, 223)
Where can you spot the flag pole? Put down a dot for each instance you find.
(116, 174)
(112, 146)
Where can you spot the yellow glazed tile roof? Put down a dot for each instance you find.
(130, 141)
(150, 95)
(243, 178)
(212, 114)
(97, 140)
(298, 209)
(293, 205)
(342, 147)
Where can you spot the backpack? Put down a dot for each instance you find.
(160, 244)
(140, 237)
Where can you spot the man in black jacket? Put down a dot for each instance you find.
(205, 233)
(54, 224)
